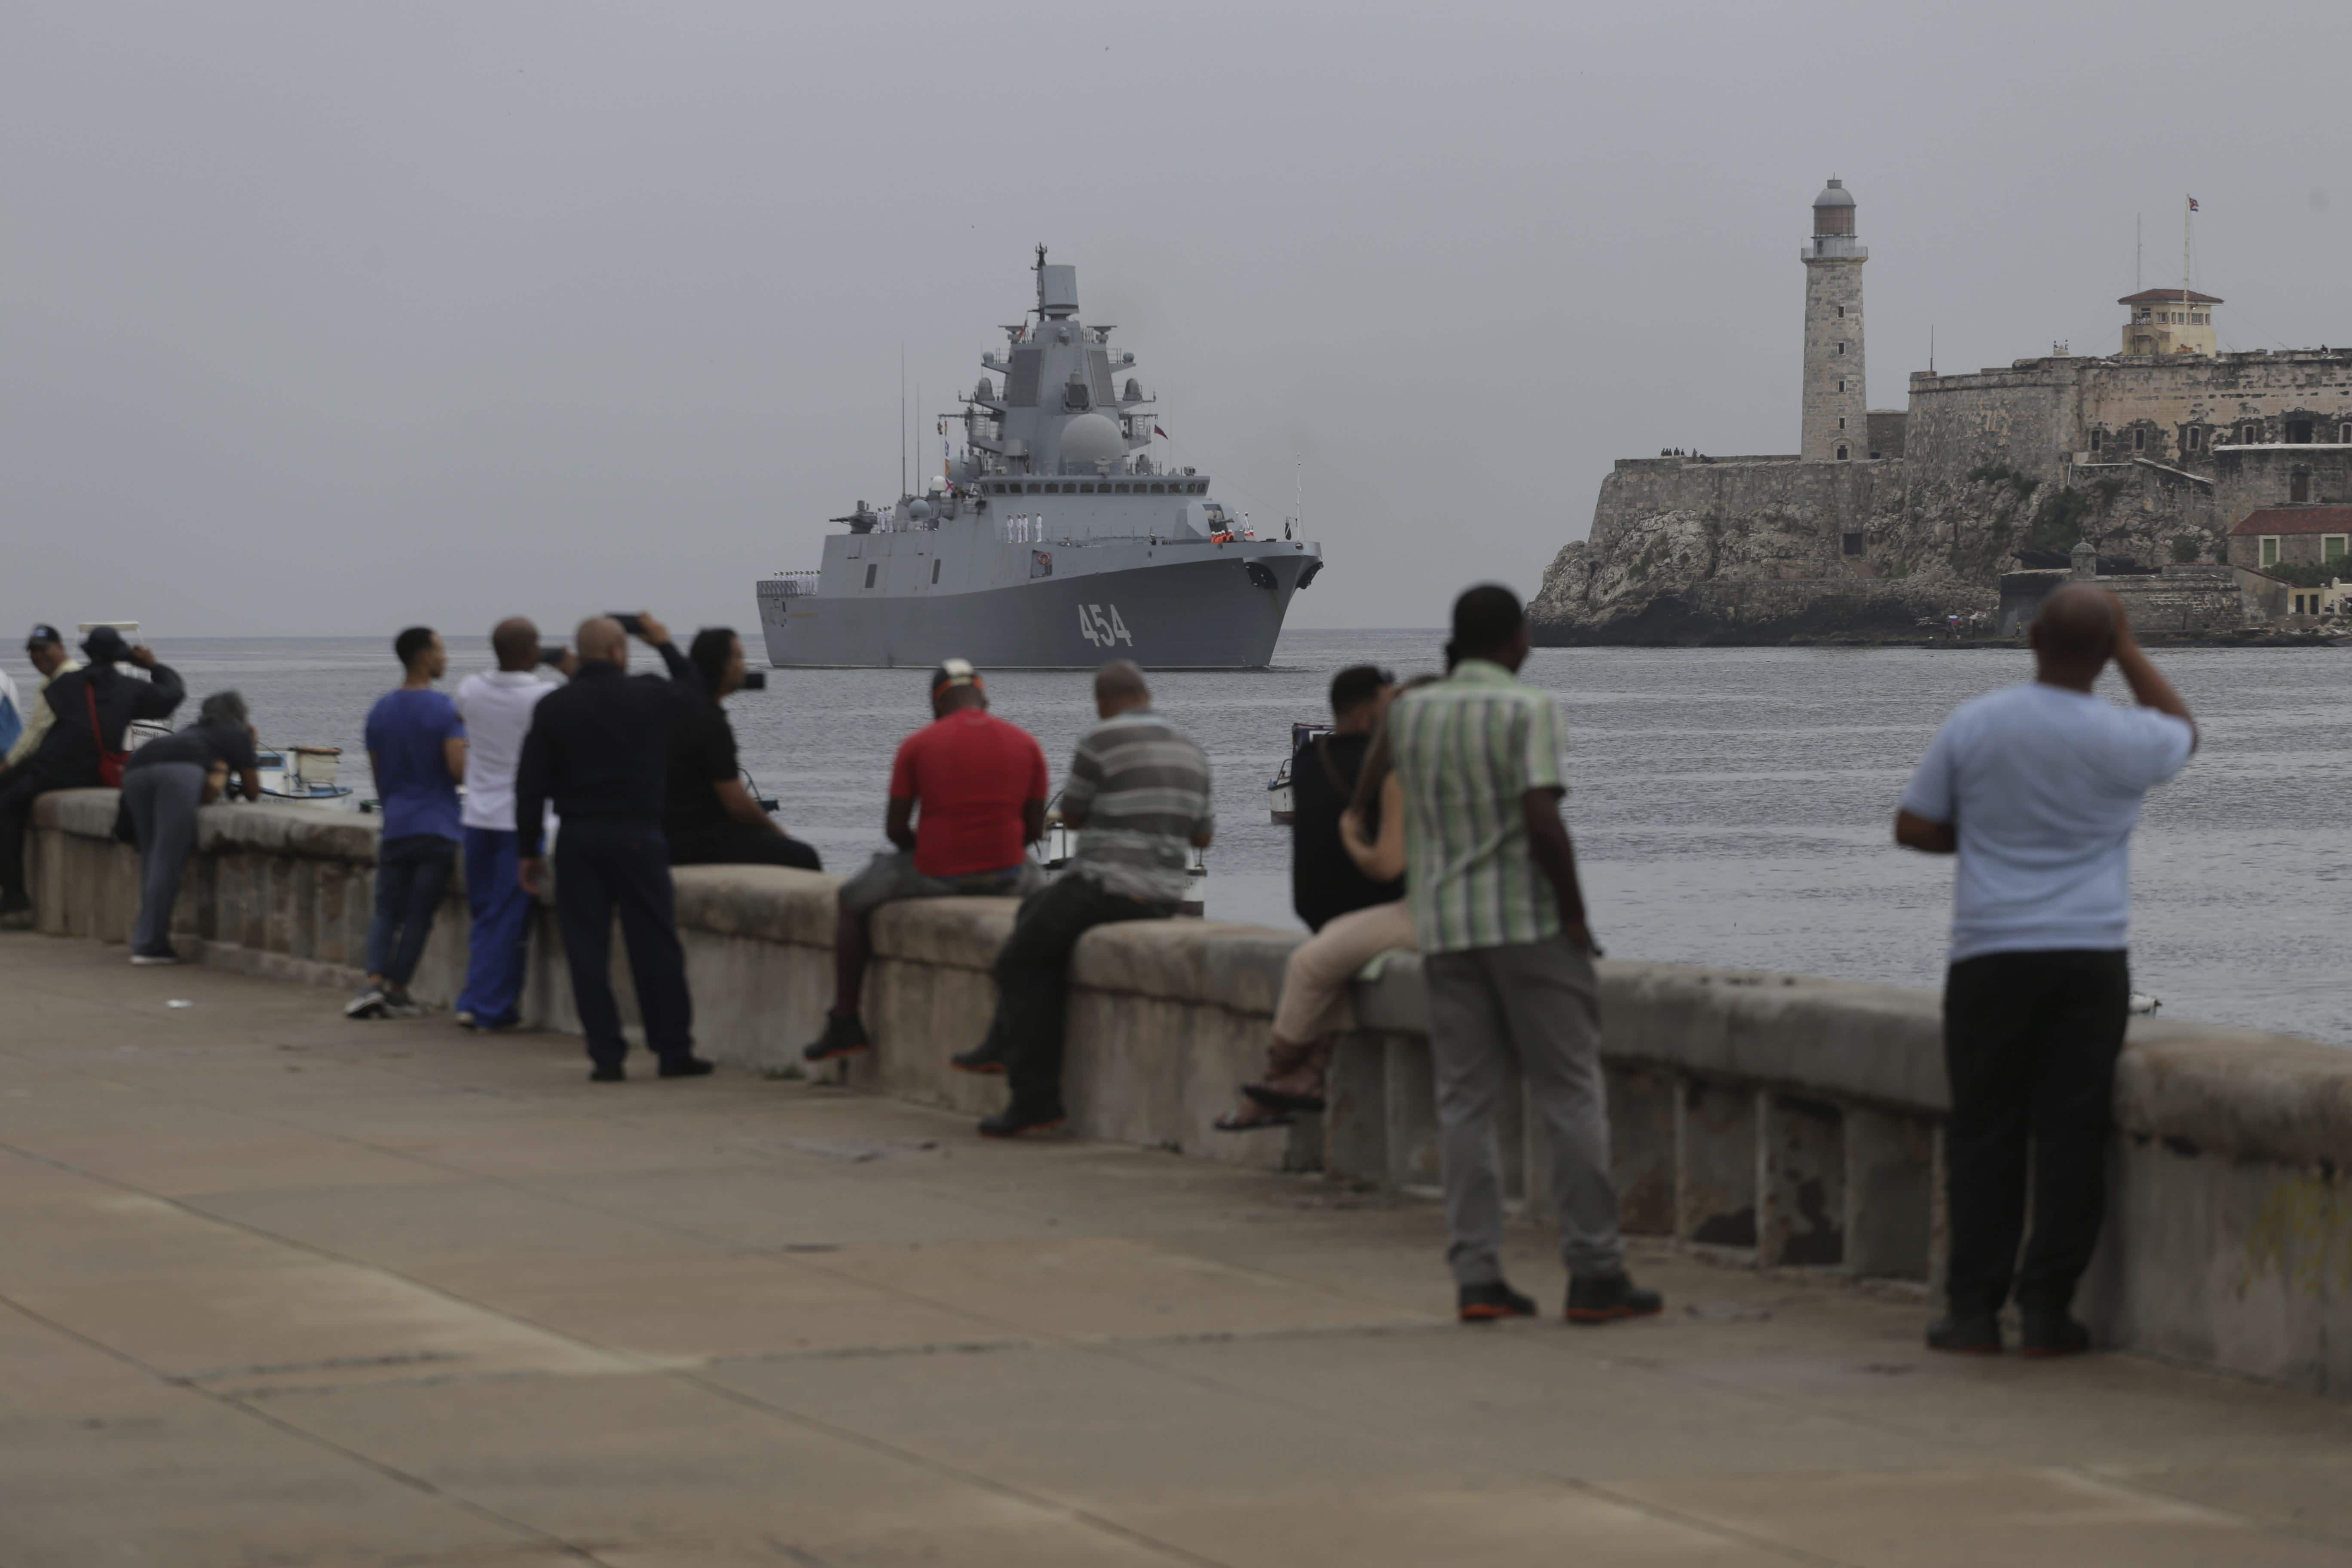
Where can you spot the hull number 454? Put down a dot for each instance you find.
(1100, 632)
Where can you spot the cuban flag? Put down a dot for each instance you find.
(2192, 204)
(1156, 430)
(12, 712)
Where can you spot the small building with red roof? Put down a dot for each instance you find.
(2294, 536)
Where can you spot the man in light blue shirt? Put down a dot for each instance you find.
(2036, 788)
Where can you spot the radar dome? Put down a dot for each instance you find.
(1090, 438)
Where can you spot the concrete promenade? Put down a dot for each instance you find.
(280, 1288)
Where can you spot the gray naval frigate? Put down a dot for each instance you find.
(1054, 541)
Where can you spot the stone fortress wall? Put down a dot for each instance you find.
(2154, 459)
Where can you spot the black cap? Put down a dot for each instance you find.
(43, 632)
(105, 646)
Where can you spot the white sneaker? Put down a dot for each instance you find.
(144, 959)
(369, 1004)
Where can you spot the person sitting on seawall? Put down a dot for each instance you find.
(45, 648)
(599, 750)
(496, 706)
(163, 784)
(709, 818)
(967, 798)
(1137, 796)
(1355, 914)
(90, 710)
(416, 751)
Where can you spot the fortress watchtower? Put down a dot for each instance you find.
(1836, 415)
(2169, 322)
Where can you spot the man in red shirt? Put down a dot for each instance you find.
(967, 799)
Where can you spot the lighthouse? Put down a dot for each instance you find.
(1836, 421)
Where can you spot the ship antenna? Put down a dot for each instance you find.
(902, 419)
(1040, 270)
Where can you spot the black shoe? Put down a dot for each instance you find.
(979, 1059)
(1490, 1302)
(685, 1067)
(2047, 1334)
(1606, 1298)
(1966, 1333)
(1015, 1121)
(844, 1035)
(615, 1073)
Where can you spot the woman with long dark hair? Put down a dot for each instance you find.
(708, 817)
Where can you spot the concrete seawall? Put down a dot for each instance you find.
(1796, 1121)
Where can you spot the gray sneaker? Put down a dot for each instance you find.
(369, 1004)
(144, 959)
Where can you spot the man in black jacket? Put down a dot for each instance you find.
(599, 748)
(70, 754)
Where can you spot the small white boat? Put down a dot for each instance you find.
(302, 775)
(1280, 800)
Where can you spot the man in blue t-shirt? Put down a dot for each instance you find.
(416, 748)
(2035, 788)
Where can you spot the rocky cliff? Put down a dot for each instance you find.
(1761, 550)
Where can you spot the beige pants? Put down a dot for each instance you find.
(1315, 983)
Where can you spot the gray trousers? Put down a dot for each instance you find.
(1537, 1003)
(162, 799)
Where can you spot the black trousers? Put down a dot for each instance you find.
(607, 863)
(742, 844)
(1032, 979)
(17, 791)
(2030, 1042)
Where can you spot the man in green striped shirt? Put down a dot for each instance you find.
(1491, 878)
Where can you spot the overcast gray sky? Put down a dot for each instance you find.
(325, 318)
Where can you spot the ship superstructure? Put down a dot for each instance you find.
(1053, 540)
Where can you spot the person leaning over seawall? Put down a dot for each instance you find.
(163, 784)
(1137, 796)
(1354, 915)
(708, 817)
(2036, 788)
(90, 710)
(496, 706)
(599, 749)
(416, 750)
(1492, 882)
(967, 799)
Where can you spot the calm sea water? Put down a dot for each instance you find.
(1730, 806)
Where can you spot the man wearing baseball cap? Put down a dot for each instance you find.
(47, 651)
(967, 799)
(90, 710)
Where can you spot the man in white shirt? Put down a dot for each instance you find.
(496, 708)
(2036, 788)
(46, 647)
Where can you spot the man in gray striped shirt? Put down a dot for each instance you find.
(1137, 796)
(1491, 878)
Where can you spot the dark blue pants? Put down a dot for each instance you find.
(499, 950)
(602, 864)
(412, 872)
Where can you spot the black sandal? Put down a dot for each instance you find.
(1281, 1100)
